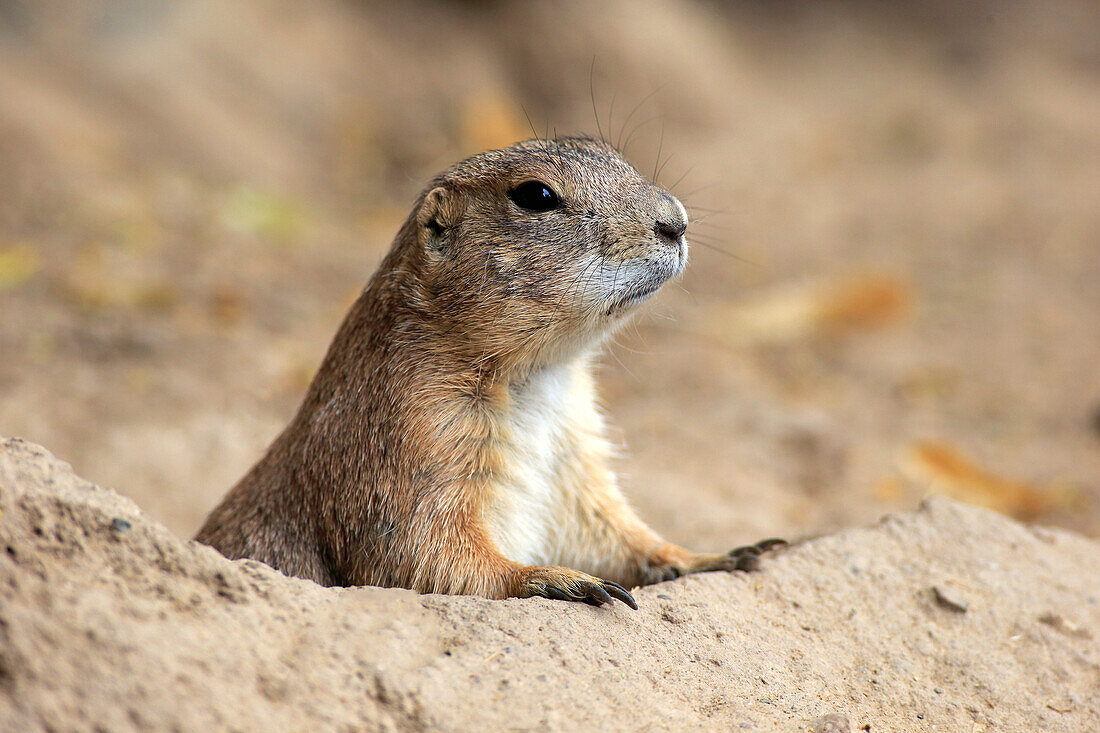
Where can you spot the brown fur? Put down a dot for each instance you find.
(401, 451)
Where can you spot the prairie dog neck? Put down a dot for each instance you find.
(526, 513)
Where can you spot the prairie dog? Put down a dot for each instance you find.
(450, 441)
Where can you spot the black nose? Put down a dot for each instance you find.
(672, 230)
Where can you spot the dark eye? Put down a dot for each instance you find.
(534, 196)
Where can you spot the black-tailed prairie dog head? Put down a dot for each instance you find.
(543, 247)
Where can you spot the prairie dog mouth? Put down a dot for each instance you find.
(639, 294)
(628, 283)
(644, 289)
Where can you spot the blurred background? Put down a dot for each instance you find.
(895, 277)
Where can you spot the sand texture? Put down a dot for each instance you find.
(948, 618)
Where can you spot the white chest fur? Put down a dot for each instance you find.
(524, 514)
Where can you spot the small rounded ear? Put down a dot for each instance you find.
(441, 211)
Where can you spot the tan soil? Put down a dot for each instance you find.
(950, 618)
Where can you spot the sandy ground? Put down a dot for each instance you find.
(951, 618)
(905, 298)
(892, 292)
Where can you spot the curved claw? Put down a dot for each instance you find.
(564, 585)
(594, 595)
(770, 544)
(745, 550)
(748, 563)
(758, 549)
(621, 593)
(747, 557)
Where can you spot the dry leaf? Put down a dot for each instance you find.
(227, 304)
(805, 311)
(491, 120)
(95, 282)
(949, 472)
(265, 215)
(18, 264)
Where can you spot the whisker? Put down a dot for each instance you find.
(660, 147)
(634, 111)
(703, 221)
(611, 113)
(681, 178)
(592, 96)
(637, 127)
(662, 167)
(707, 245)
(701, 188)
(620, 362)
(688, 293)
(531, 124)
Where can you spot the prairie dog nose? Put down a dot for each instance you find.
(671, 218)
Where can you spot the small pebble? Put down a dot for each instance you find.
(118, 524)
(831, 723)
(949, 600)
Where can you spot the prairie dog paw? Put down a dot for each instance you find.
(671, 562)
(563, 584)
(748, 556)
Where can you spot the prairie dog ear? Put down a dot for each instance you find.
(441, 211)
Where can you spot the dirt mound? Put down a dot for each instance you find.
(893, 239)
(951, 618)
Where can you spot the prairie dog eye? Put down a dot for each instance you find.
(534, 196)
